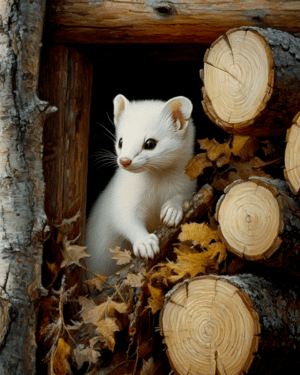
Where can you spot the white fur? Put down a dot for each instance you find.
(152, 188)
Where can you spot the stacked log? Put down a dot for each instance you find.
(231, 325)
(251, 81)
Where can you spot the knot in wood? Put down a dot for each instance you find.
(165, 8)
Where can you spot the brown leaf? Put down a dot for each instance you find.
(244, 146)
(97, 282)
(219, 153)
(136, 281)
(197, 165)
(92, 313)
(106, 330)
(61, 358)
(72, 254)
(148, 367)
(156, 301)
(81, 355)
(122, 257)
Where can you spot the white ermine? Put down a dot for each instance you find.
(154, 142)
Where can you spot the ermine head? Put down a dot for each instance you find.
(150, 134)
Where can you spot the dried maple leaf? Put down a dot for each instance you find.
(148, 368)
(106, 329)
(200, 234)
(122, 257)
(244, 146)
(61, 358)
(81, 355)
(218, 152)
(72, 254)
(192, 264)
(135, 281)
(92, 313)
(97, 282)
(156, 301)
(197, 165)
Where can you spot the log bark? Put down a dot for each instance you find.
(259, 220)
(150, 21)
(66, 81)
(231, 325)
(22, 216)
(292, 156)
(251, 81)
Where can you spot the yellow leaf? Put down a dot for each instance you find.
(197, 165)
(61, 357)
(200, 234)
(156, 301)
(106, 329)
(122, 257)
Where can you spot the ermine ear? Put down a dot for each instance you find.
(180, 109)
(120, 103)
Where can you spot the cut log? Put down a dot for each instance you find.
(292, 156)
(251, 80)
(231, 325)
(259, 220)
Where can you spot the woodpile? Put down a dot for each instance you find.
(223, 290)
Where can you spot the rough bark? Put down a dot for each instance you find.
(152, 21)
(22, 217)
(233, 324)
(255, 223)
(251, 81)
(66, 81)
(291, 156)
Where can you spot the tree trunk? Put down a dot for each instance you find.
(251, 81)
(231, 325)
(259, 220)
(291, 156)
(22, 217)
(158, 21)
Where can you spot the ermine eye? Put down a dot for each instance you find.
(120, 142)
(150, 144)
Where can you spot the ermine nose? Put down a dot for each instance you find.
(125, 162)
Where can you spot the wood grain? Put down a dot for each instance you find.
(127, 21)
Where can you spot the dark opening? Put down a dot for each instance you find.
(141, 72)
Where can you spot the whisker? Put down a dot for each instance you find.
(110, 134)
(110, 119)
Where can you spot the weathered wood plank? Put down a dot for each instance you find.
(66, 81)
(120, 21)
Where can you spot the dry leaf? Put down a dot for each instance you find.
(61, 358)
(200, 234)
(192, 264)
(244, 146)
(197, 165)
(81, 355)
(97, 282)
(72, 254)
(106, 329)
(92, 313)
(156, 301)
(219, 153)
(148, 367)
(122, 257)
(135, 281)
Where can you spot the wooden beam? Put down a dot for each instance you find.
(151, 21)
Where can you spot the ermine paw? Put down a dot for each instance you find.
(147, 246)
(171, 213)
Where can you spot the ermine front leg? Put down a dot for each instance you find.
(145, 244)
(171, 212)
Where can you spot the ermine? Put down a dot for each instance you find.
(154, 142)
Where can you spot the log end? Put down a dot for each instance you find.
(209, 327)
